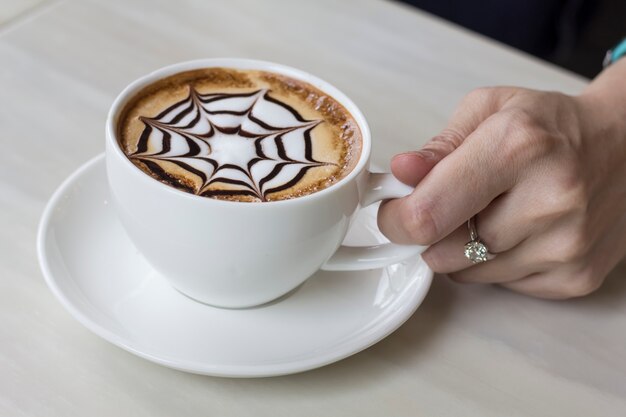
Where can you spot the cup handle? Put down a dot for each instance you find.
(357, 258)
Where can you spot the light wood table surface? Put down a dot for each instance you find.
(467, 351)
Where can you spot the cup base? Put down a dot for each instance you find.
(262, 304)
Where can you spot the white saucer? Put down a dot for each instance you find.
(98, 275)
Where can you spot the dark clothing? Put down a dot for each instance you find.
(546, 28)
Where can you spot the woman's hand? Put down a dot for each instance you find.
(545, 175)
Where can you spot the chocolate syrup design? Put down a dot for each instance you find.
(256, 144)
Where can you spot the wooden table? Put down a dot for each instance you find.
(468, 351)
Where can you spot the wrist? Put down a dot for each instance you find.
(603, 103)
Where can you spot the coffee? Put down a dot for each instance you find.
(241, 135)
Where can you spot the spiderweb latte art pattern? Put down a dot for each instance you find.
(230, 143)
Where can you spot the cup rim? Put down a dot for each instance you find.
(245, 64)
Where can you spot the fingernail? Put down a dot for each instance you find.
(398, 155)
(427, 155)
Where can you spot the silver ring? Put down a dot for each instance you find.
(475, 250)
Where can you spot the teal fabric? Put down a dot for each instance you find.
(619, 51)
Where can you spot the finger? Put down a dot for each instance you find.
(504, 267)
(459, 186)
(560, 284)
(412, 167)
(507, 220)
(448, 255)
(532, 255)
(535, 285)
(501, 226)
(545, 265)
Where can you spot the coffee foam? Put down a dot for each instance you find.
(239, 135)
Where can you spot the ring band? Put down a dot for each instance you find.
(475, 250)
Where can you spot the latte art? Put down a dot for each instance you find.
(239, 143)
(251, 141)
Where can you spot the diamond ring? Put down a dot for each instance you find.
(475, 250)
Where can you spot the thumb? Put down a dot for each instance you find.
(477, 106)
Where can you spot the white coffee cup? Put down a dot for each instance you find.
(242, 254)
